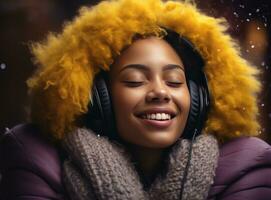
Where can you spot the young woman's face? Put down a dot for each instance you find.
(149, 93)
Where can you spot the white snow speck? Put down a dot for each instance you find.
(3, 66)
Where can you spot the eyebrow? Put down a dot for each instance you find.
(145, 67)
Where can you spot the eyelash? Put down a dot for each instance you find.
(134, 83)
(174, 84)
(139, 83)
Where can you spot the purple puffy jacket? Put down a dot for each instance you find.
(31, 168)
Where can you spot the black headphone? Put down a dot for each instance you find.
(100, 117)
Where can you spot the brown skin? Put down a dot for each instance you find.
(149, 77)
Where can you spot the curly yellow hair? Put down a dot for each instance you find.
(69, 61)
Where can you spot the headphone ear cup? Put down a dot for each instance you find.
(194, 111)
(101, 118)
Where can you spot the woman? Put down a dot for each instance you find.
(149, 129)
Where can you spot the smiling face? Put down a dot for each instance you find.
(149, 94)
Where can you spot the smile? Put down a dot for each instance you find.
(158, 120)
(157, 116)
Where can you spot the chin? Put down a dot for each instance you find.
(159, 142)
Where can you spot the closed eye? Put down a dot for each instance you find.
(174, 83)
(133, 83)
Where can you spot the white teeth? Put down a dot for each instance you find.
(157, 116)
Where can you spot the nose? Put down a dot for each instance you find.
(158, 93)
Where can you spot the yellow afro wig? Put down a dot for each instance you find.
(69, 61)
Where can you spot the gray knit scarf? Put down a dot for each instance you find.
(102, 170)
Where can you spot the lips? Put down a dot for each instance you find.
(156, 113)
(157, 117)
(157, 124)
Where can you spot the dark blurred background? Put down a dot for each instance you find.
(31, 20)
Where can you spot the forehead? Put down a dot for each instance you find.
(152, 51)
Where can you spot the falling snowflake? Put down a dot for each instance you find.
(235, 14)
(253, 46)
(257, 10)
(264, 18)
(248, 20)
(3, 66)
(258, 28)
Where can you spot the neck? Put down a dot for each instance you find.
(148, 161)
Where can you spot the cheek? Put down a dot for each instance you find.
(125, 100)
(182, 100)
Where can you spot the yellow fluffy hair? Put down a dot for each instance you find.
(68, 62)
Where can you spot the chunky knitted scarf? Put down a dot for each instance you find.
(102, 170)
